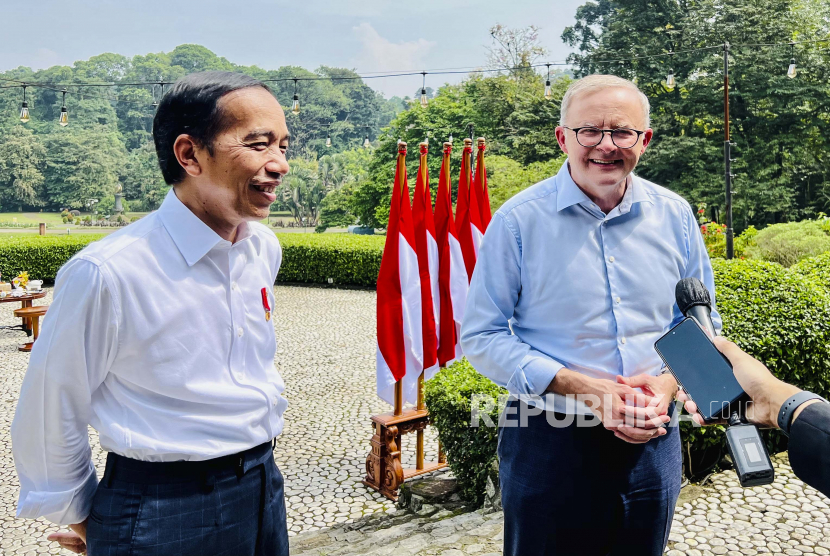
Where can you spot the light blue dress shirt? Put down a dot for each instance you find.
(559, 283)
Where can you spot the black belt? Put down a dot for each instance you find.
(130, 470)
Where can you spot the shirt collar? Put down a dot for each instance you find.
(192, 237)
(570, 194)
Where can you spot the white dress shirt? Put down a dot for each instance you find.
(157, 338)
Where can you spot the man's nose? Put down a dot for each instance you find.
(277, 165)
(606, 144)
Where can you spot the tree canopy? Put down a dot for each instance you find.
(109, 137)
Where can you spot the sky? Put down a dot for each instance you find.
(365, 35)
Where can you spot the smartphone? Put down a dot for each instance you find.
(703, 372)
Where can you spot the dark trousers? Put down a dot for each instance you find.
(581, 491)
(232, 505)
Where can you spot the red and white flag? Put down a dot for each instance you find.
(480, 188)
(467, 212)
(400, 343)
(452, 275)
(427, 249)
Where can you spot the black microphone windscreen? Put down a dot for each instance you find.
(690, 292)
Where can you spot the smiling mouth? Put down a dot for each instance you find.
(604, 162)
(269, 187)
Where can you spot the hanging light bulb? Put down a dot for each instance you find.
(791, 73)
(424, 99)
(670, 81)
(548, 93)
(64, 117)
(24, 108)
(328, 140)
(295, 106)
(366, 143)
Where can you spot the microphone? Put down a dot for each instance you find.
(746, 447)
(694, 301)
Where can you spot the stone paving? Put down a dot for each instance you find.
(326, 355)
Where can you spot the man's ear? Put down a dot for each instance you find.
(646, 140)
(187, 151)
(560, 138)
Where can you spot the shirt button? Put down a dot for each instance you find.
(622, 340)
(611, 259)
(239, 332)
(276, 400)
(234, 286)
(618, 300)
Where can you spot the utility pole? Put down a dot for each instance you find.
(727, 156)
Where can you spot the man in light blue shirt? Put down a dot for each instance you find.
(574, 283)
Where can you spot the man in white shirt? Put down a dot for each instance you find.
(159, 337)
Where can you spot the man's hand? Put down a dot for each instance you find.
(768, 393)
(660, 390)
(608, 400)
(74, 540)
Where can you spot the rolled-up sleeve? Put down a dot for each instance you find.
(50, 442)
(486, 338)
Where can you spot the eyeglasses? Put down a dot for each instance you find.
(622, 137)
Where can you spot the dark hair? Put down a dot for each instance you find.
(192, 107)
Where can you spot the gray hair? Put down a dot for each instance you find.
(596, 82)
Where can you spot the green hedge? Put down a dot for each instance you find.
(770, 311)
(470, 450)
(815, 268)
(311, 258)
(791, 242)
(346, 259)
(41, 256)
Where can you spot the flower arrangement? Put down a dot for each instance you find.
(21, 280)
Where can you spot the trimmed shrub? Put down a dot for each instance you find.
(343, 258)
(770, 311)
(815, 268)
(450, 397)
(41, 256)
(787, 244)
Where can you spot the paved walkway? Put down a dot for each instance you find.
(326, 355)
(784, 518)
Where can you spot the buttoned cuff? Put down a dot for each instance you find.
(533, 375)
(63, 507)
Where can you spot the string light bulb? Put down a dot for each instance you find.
(671, 83)
(63, 120)
(295, 106)
(791, 72)
(424, 99)
(24, 108)
(548, 93)
(366, 143)
(328, 140)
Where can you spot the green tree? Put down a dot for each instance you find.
(781, 126)
(21, 163)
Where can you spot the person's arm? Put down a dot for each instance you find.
(698, 266)
(486, 338)
(809, 445)
(69, 361)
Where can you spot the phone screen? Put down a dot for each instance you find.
(700, 368)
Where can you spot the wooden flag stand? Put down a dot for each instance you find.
(384, 471)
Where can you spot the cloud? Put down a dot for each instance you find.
(381, 54)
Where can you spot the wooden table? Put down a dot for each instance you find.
(25, 301)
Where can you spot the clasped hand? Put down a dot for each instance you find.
(635, 408)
